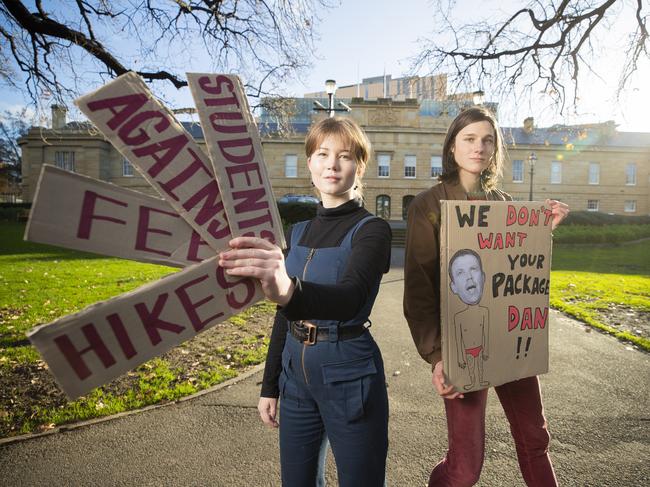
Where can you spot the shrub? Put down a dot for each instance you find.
(598, 218)
(611, 233)
(14, 212)
(296, 212)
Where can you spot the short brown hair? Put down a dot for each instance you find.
(491, 173)
(350, 133)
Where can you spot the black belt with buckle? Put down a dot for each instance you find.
(309, 334)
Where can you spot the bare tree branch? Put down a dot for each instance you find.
(263, 40)
(546, 43)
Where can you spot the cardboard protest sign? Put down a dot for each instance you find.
(494, 289)
(235, 150)
(87, 349)
(82, 213)
(148, 135)
(103, 341)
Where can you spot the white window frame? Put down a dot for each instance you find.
(410, 161)
(383, 161)
(436, 166)
(290, 165)
(594, 173)
(128, 171)
(630, 177)
(520, 170)
(556, 172)
(593, 207)
(630, 206)
(64, 160)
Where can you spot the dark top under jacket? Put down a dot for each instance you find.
(370, 258)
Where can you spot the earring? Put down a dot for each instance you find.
(356, 186)
(312, 184)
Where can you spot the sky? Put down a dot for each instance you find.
(366, 38)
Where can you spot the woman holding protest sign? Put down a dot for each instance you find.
(322, 360)
(472, 160)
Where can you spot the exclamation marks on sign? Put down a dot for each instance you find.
(519, 346)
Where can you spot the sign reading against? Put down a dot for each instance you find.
(235, 149)
(87, 349)
(494, 279)
(148, 135)
(103, 341)
(82, 213)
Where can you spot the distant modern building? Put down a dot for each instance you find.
(591, 167)
(399, 89)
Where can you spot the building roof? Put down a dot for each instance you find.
(589, 135)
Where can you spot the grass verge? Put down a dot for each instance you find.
(607, 287)
(40, 283)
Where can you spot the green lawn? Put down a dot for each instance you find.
(589, 279)
(39, 283)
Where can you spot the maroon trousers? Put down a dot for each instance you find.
(522, 402)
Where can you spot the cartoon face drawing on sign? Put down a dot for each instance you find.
(471, 324)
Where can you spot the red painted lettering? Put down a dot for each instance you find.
(513, 317)
(253, 222)
(246, 169)
(238, 157)
(119, 330)
(196, 242)
(251, 200)
(512, 215)
(88, 213)
(144, 229)
(185, 174)
(162, 152)
(191, 307)
(484, 242)
(130, 104)
(249, 287)
(227, 129)
(152, 322)
(125, 133)
(527, 319)
(211, 206)
(541, 316)
(74, 356)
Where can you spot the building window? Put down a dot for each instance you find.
(127, 168)
(406, 202)
(64, 160)
(436, 166)
(383, 206)
(630, 174)
(290, 166)
(556, 172)
(630, 206)
(594, 173)
(409, 166)
(518, 171)
(592, 205)
(383, 165)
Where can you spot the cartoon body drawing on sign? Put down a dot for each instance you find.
(472, 325)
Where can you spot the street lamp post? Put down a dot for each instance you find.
(532, 159)
(330, 89)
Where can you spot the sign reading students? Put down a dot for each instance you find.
(495, 269)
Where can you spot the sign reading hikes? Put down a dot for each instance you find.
(188, 226)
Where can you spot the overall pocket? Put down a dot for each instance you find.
(348, 385)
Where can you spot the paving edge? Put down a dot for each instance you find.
(81, 424)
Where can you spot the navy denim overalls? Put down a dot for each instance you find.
(334, 387)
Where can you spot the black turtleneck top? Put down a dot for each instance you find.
(369, 259)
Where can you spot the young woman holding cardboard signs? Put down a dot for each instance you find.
(472, 159)
(322, 360)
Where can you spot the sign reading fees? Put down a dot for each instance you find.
(494, 278)
(82, 213)
(103, 341)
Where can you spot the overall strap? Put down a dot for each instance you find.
(297, 232)
(347, 241)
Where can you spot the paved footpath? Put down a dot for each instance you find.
(596, 397)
